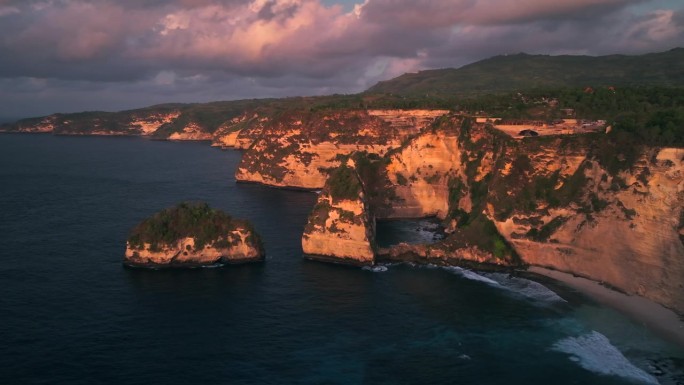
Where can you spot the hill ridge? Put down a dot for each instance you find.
(509, 72)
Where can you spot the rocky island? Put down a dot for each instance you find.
(191, 235)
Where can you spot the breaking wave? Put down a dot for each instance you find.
(520, 286)
(375, 269)
(527, 288)
(469, 274)
(595, 353)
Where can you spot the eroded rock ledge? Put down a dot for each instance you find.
(191, 235)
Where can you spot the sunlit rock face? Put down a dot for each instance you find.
(624, 229)
(148, 124)
(340, 227)
(420, 172)
(296, 149)
(183, 252)
(557, 202)
(191, 131)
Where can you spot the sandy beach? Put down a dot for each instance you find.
(661, 320)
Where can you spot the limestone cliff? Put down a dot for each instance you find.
(296, 148)
(191, 131)
(420, 172)
(623, 229)
(44, 124)
(191, 235)
(241, 131)
(148, 124)
(340, 228)
(571, 203)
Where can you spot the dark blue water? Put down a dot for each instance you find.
(71, 314)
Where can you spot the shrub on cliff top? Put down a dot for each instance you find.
(196, 220)
(344, 184)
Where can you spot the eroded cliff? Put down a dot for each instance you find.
(296, 148)
(340, 227)
(623, 228)
(574, 203)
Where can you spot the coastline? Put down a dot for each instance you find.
(661, 320)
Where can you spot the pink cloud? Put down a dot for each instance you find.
(290, 47)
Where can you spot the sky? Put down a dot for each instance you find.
(77, 55)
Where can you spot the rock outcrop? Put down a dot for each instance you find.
(340, 227)
(296, 148)
(420, 172)
(190, 235)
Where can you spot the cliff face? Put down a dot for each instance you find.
(295, 149)
(340, 228)
(622, 229)
(236, 247)
(557, 202)
(148, 124)
(191, 131)
(562, 202)
(420, 172)
(159, 122)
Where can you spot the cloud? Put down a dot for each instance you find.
(426, 13)
(251, 48)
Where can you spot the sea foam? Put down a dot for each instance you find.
(376, 269)
(469, 274)
(526, 288)
(595, 353)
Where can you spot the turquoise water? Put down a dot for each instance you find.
(70, 313)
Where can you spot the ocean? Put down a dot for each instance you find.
(71, 313)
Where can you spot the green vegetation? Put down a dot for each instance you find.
(377, 187)
(544, 233)
(196, 220)
(482, 233)
(344, 184)
(523, 72)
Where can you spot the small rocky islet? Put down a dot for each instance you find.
(192, 235)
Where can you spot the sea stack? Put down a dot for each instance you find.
(340, 228)
(191, 235)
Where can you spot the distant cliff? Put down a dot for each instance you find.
(296, 148)
(192, 235)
